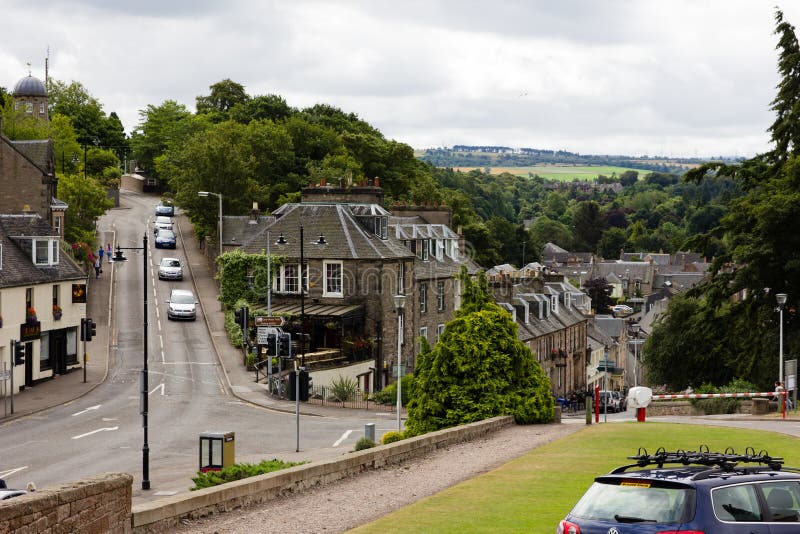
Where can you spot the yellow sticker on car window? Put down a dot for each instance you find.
(636, 484)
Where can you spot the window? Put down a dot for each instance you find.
(57, 225)
(736, 503)
(439, 249)
(44, 352)
(426, 247)
(401, 278)
(28, 107)
(28, 297)
(41, 108)
(287, 279)
(42, 251)
(333, 279)
(423, 333)
(423, 297)
(440, 295)
(439, 332)
(381, 227)
(54, 252)
(56, 291)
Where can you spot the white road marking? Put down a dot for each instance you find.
(344, 437)
(161, 385)
(96, 431)
(6, 474)
(86, 410)
(107, 419)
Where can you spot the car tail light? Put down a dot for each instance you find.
(680, 532)
(568, 527)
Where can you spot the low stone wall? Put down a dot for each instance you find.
(98, 504)
(684, 407)
(166, 513)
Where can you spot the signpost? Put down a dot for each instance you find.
(269, 321)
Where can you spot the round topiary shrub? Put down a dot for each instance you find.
(391, 437)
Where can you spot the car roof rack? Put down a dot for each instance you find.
(724, 461)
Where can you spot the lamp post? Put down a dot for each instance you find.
(143, 393)
(635, 330)
(605, 386)
(205, 194)
(399, 304)
(781, 298)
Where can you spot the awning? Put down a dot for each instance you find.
(318, 310)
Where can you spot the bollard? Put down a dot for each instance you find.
(588, 410)
(641, 414)
(369, 431)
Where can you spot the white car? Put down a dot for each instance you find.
(170, 269)
(182, 305)
(162, 223)
(622, 310)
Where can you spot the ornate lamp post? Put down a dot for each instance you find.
(781, 298)
(399, 304)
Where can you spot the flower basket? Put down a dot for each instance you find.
(57, 312)
(30, 315)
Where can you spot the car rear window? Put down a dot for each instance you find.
(636, 500)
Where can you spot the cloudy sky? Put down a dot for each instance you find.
(657, 77)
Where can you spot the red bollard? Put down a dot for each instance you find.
(640, 414)
(597, 404)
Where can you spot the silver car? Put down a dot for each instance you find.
(170, 269)
(182, 305)
(162, 223)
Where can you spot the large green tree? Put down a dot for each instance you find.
(478, 369)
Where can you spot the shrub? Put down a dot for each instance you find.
(344, 388)
(722, 405)
(391, 437)
(388, 395)
(238, 472)
(364, 443)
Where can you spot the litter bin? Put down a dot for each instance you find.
(303, 385)
(217, 450)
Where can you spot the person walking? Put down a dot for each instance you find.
(100, 253)
(108, 252)
(97, 264)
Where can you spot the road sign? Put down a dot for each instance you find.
(4, 375)
(269, 321)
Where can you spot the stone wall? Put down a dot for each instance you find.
(684, 407)
(98, 504)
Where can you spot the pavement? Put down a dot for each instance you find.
(64, 389)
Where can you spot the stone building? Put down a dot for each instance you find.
(31, 98)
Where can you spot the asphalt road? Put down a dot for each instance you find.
(103, 430)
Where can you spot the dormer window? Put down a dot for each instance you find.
(381, 228)
(45, 251)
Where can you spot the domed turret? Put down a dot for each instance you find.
(30, 86)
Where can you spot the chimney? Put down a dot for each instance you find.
(254, 214)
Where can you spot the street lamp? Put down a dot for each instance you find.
(205, 194)
(143, 393)
(399, 304)
(605, 386)
(781, 298)
(635, 330)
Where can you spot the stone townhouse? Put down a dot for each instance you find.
(358, 258)
(42, 301)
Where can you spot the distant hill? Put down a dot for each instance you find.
(503, 156)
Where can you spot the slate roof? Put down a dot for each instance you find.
(636, 270)
(346, 237)
(30, 86)
(38, 152)
(17, 264)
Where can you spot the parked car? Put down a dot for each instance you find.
(170, 269)
(8, 493)
(162, 223)
(608, 398)
(182, 305)
(622, 310)
(621, 400)
(691, 492)
(166, 239)
(166, 210)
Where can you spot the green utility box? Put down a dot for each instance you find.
(217, 450)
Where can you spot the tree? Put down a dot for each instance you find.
(160, 127)
(612, 243)
(599, 290)
(225, 95)
(478, 369)
(87, 201)
(588, 223)
(86, 112)
(271, 107)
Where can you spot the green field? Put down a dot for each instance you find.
(560, 172)
(535, 491)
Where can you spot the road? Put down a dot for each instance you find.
(103, 431)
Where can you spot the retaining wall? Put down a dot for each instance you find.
(164, 514)
(98, 504)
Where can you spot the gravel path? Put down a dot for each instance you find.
(351, 502)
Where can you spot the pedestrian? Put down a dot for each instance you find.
(100, 253)
(97, 264)
(108, 252)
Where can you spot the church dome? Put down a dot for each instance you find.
(30, 86)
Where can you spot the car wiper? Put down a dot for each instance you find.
(630, 519)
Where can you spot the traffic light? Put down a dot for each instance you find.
(285, 345)
(240, 316)
(272, 344)
(19, 353)
(88, 329)
(83, 329)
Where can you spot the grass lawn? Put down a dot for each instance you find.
(561, 172)
(535, 491)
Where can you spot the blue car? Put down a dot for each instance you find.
(694, 492)
(166, 239)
